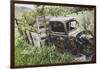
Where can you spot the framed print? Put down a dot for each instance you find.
(49, 34)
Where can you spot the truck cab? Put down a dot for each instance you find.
(61, 29)
(63, 25)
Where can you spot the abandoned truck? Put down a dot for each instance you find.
(62, 32)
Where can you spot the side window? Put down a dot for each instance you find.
(71, 25)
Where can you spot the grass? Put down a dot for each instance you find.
(46, 55)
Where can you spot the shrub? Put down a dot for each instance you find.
(44, 55)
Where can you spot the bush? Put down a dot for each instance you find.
(27, 55)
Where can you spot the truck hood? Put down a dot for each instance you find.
(73, 33)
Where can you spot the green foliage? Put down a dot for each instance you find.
(28, 22)
(88, 22)
(45, 55)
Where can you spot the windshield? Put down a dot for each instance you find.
(57, 26)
